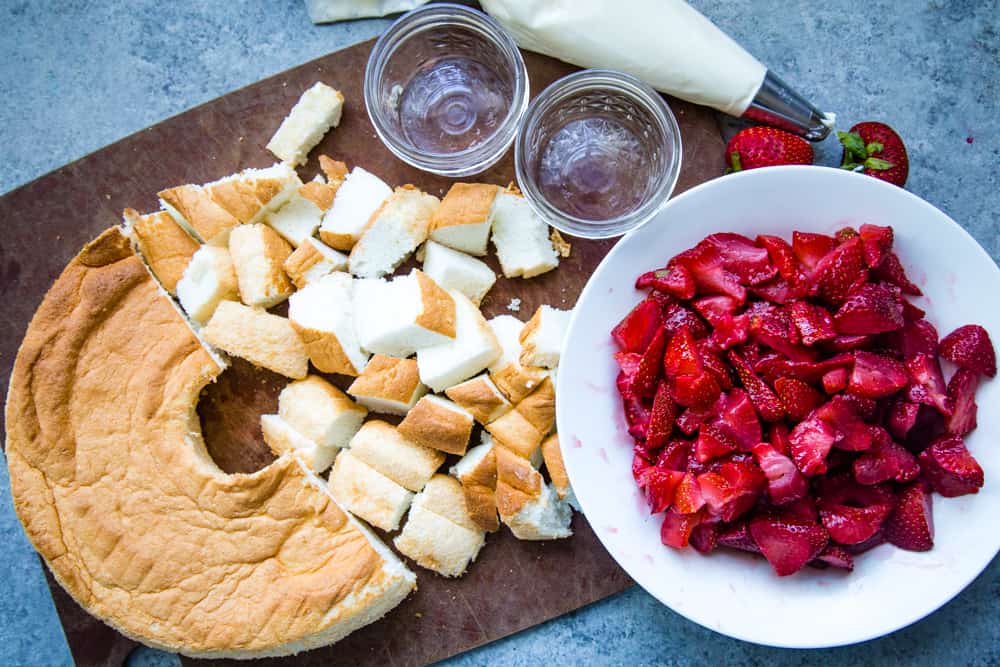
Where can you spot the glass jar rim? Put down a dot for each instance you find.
(469, 161)
(576, 83)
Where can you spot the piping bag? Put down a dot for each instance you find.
(669, 45)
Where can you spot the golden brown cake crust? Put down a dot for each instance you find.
(113, 485)
(165, 245)
(465, 204)
(206, 217)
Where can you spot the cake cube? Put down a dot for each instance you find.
(322, 313)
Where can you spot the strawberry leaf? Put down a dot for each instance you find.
(878, 164)
(874, 147)
(854, 147)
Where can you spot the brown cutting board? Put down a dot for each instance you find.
(514, 584)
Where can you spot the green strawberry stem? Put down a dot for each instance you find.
(859, 156)
(734, 159)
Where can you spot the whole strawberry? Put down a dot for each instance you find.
(876, 150)
(761, 146)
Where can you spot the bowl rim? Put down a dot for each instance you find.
(904, 620)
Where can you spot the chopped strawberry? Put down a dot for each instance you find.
(813, 322)
(927, 383)
(841, 413)
(845, 234)
(782, 257)
(637, 329)
(848, 343)
(970, 347)
(835, 381)
(810, 248)
(704, 537)
(687, 496)
(711, 444)
(713, 308)
(775, 366)
(928, 427)
(785, 483)
(811, 440)
(797, 397)
(676, 316)
(689, 420)
(869, 544)
(901, 418)
(674, 456)
(918, 337)
(650, 366)
(875, 376)
(661, 417)
(676, 529)
(681, 356)
(778, 437)
(870, 309)
(787, 541)
(637, 416)
(885, 460)
(674, 280)
(628, 362)
(891, 270)
(911, 525)
(836, 556)
(712, 363)
(877, 241)
(773, 327)
(950, 468)
(730, 330)
(695, 391)
(748, 261)
(863, 407)
(707, 266)
(852, 513)
(778, 290)
(912, 313)
(659, 485)
(640, 464)
(737, 536)
(763, 397)
(839, 271)
(962, 396)
(733, 490)
(738, 420)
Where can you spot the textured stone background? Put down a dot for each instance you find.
(76, 75)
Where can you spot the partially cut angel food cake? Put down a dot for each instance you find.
(158, 548)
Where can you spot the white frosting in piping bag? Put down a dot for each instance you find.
(666, 43)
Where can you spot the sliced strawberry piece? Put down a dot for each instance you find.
(689, 420)
(674, 455)
(733, 490)
(843, 416)
(676, 529)
(797, 397)
(637, 416)
(687, 496)
(681, 356)
(782, 257)
(927, 383)
(628, 362)
(773, 327)
(787, 541)
(785, 483)
(707, 266)
(704, 537)
(863, 407)
(774, 366)
(852, 513)
(877, 241)
(811, 441)
(891, 270)
(737, 419)
(848, 343)
(950, 468)
(674, 280)
(885, 460)
(970, 347)
(911, 525)
(712, 363)
(839, 271)
(737, 536)
(810, 248)
(778, 290)
(695, 391)
(870, 309)
(714, 308)
(676, 316)
(636, 330)
(813, 322)
(836, 556)
(659, 485)
(711, 444)
(835, 381)
(661, 417)
(640, 464)
(901, 418)
(730, 330)
(845, 234)
(912, 313)
(748, 261)
(869, 544)
(875, 376)
(928, 427)
(778, 437)
(918, 337)
(763, 397)
(650, 366)
(962, 395)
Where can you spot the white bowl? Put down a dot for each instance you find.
(733, 593)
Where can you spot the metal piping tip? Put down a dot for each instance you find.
(777, 104)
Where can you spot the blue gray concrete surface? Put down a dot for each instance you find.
(76, 75)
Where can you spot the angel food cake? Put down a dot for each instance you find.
(114, 482)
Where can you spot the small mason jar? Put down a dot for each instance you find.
(598, 153)
(445, 88)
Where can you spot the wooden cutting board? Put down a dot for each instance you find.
(514, 584)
